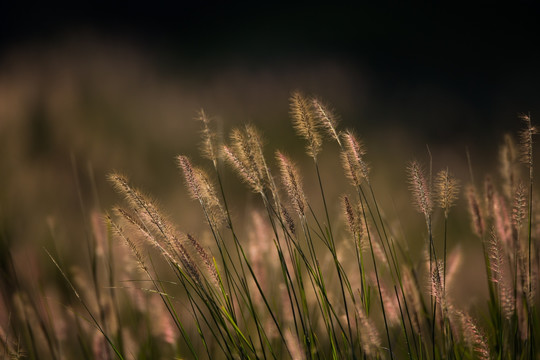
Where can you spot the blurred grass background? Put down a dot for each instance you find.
(84, 92)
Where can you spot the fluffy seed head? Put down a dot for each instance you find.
(354, 219)
(117, 229)
(520, 206)
(447, 190)
(474, 337)
(420, 189)
(154, 226)
(202, 190)
(352, 158)
(245, 174)
(326, 118)
(246, 157)
(437, 290)
(292, 182)
(288, 220)
(495, 256)
(210, 149)
(526, 137)
(304, 123)
(205, 257)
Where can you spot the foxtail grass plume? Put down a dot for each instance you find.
(474, 337)
(154, 227)
(475, 211)
(128, 241)
(288, 220)
(526, 137)
(205, 257)
(246, 157)
(519, 210)
(210, 149)
(447, 190)
(352, 156)
(202, 190)
(305, 124)
(437, 290)
(495, 256)
(353, 219)
(327, 118)
(420, 189)
(290, 177)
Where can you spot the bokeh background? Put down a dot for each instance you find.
(86, 89)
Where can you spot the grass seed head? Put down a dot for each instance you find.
(519, 209)
(290, 177)
(420, 189)
(305, 124)
(353, 160)
(526, 137)
(327, 118)
(209, 148)
(447, 188)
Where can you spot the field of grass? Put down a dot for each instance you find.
(309, 260)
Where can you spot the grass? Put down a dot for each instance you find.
(303, 281)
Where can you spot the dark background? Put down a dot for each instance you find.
(483, 56)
